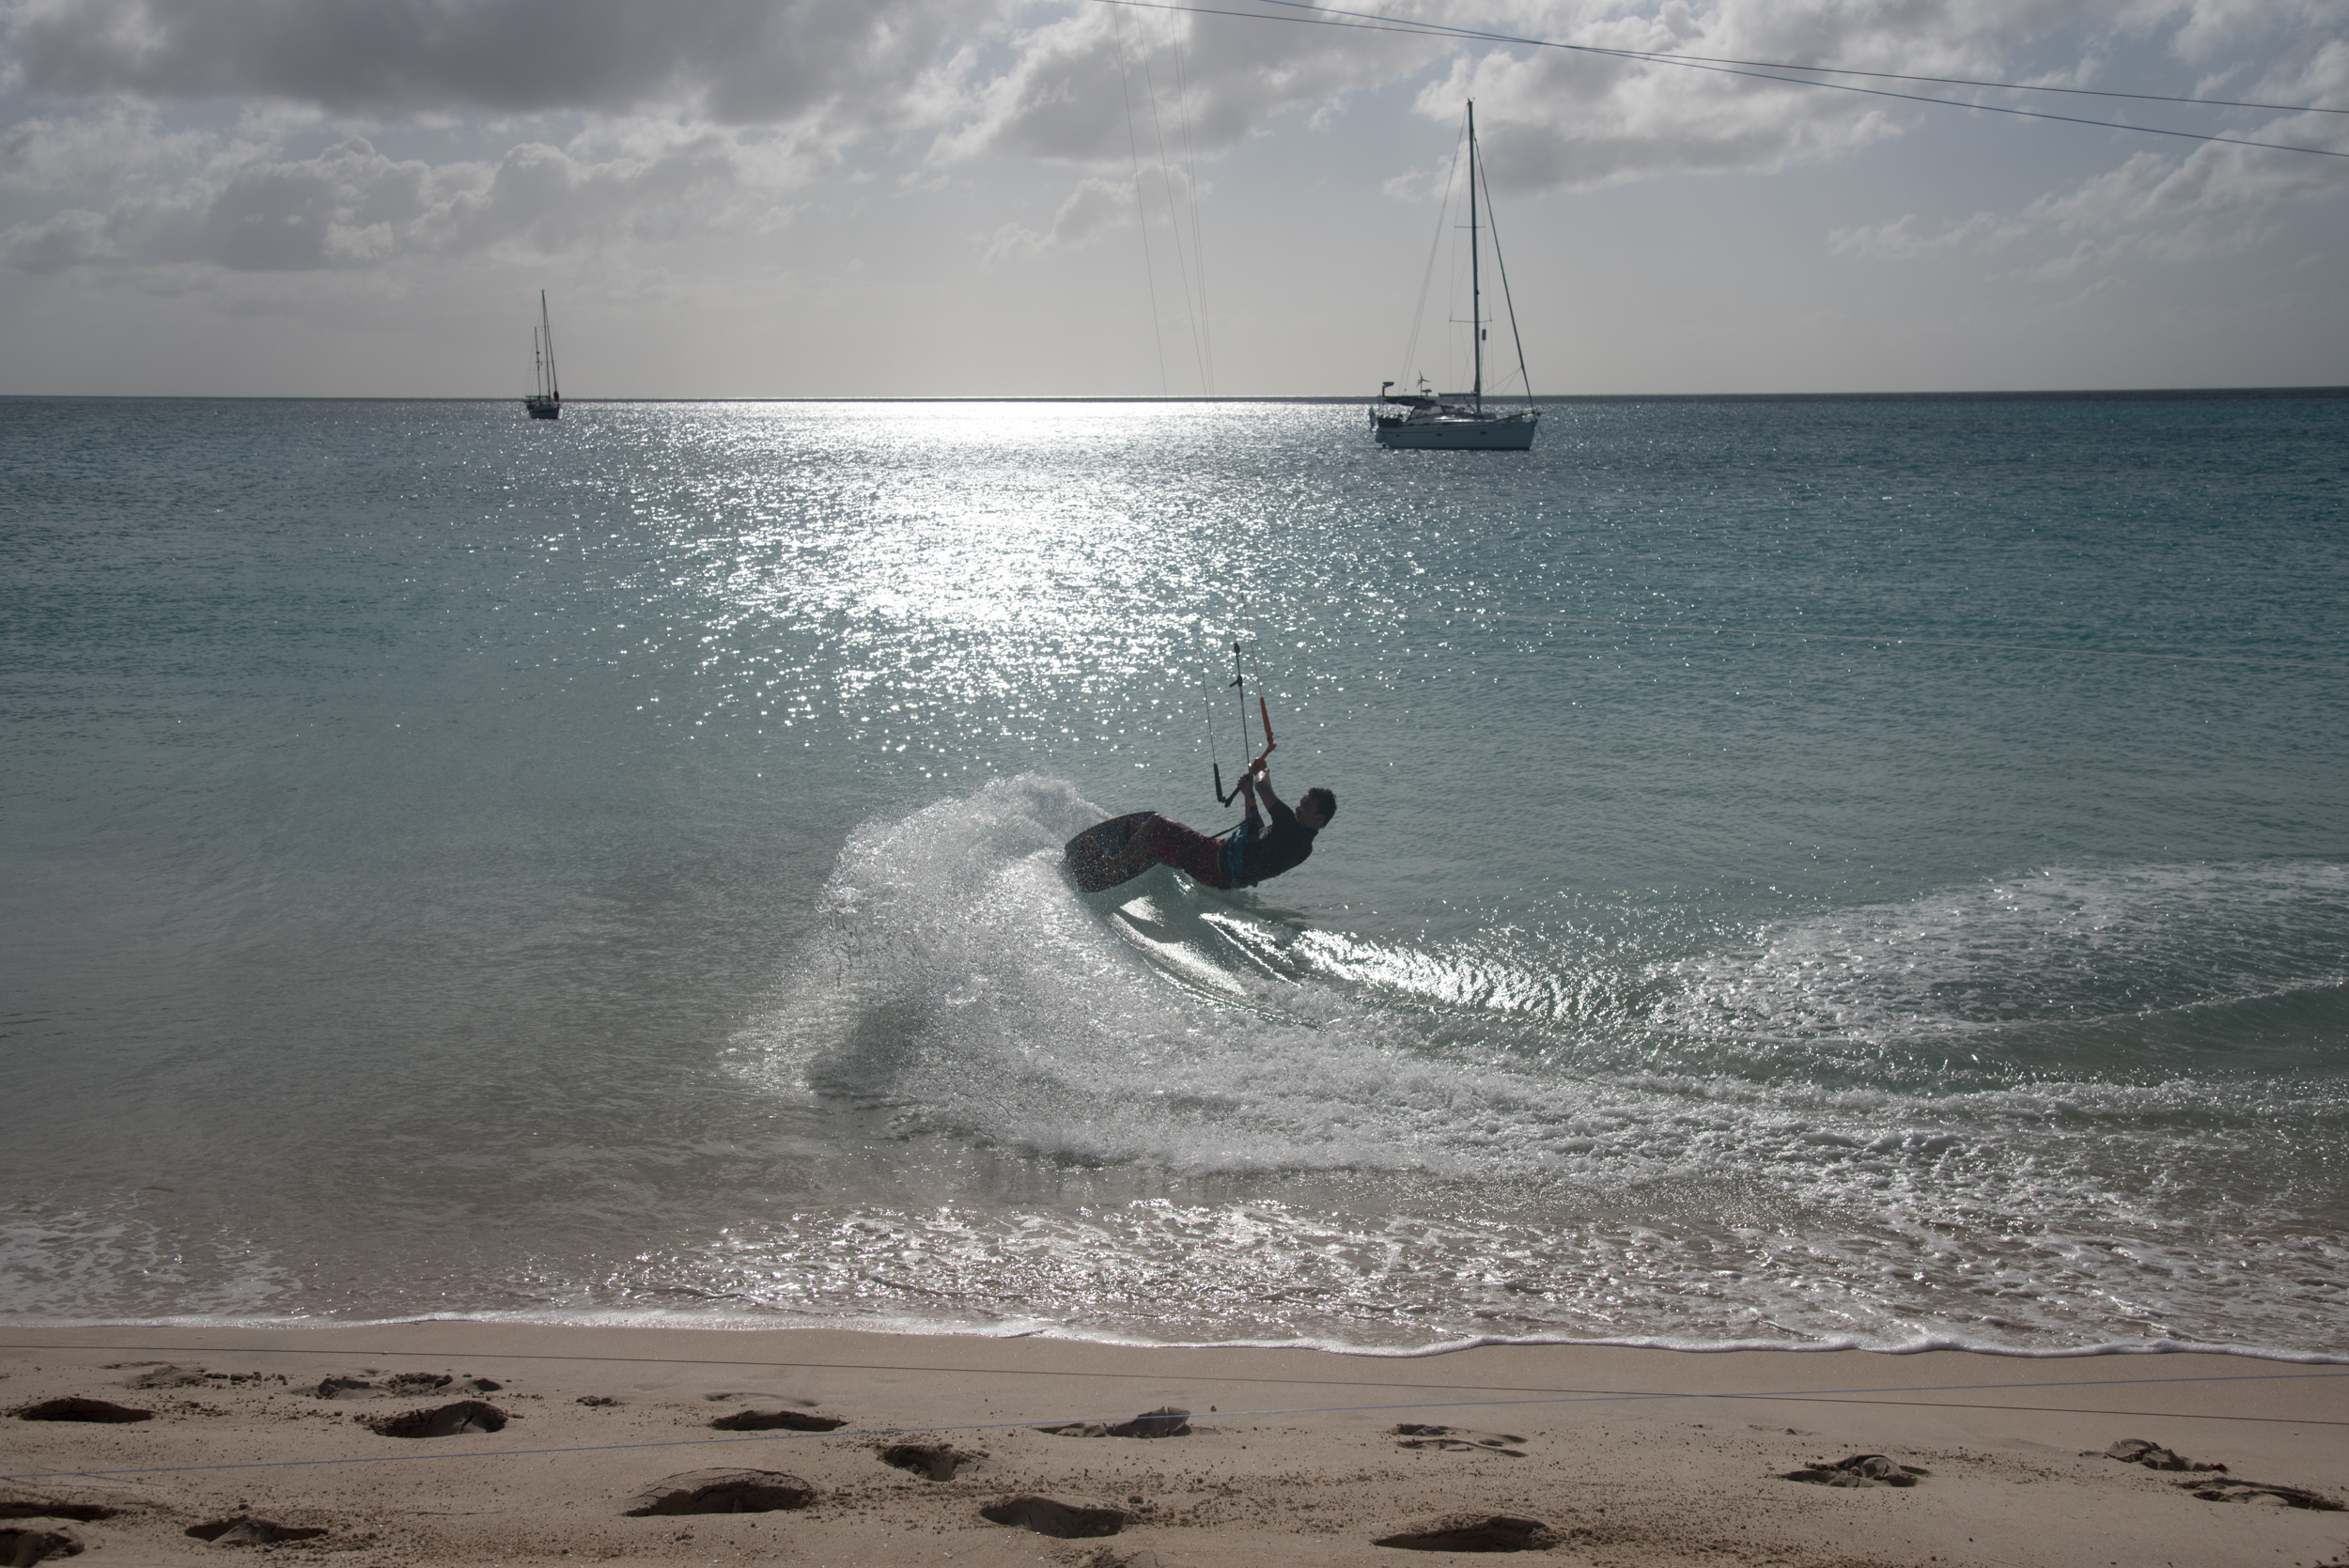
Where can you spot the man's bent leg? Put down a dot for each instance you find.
(1194, 854)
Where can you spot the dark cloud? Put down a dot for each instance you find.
(354, 207)
(736, 61)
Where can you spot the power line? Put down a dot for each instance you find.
(1193, 309)
(1191, 194)
(1142, 212)
(1673, 56)
(1434, 248)
(1761, 72)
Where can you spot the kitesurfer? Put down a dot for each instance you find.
(1253, 850)
(1122, 849)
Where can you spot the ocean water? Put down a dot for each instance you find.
(1810, 872)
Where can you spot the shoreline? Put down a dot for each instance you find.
(662, 1320)
(1617, 1454)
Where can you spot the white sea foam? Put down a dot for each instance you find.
(120, 1262)
(965, 993)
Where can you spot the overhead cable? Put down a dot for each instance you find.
(1323, 16)
(1669, 56)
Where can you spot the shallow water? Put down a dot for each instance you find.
(1812, 871)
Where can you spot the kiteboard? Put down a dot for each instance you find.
(1106, 854)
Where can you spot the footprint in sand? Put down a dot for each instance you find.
(935, 1460)
(49, 1508)
(1860, 1469)
(778, 1420)
(22, 1548)
(446, 1421)
(1454, 1439)
(722, 1492)
(1107, 1557)
(2261, 1494)
(81, 1410)
(1472, 1533)
(406, 1385)
(245, 1531)
(169, 1377)
(1064, 1521)
(1165, 1422)
(2137, 1450)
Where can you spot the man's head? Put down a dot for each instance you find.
(1315, 807)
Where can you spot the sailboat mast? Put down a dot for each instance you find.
(1476, 292)
(546, 330)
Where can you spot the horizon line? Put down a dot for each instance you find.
(1322, 399)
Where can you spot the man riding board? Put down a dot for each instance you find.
(1251, 852)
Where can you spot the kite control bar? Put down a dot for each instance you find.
(1239, 678)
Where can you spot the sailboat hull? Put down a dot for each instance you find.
(1511, 433)
(543, 408)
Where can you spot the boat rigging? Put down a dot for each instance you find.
(1457, 421)
(545, 399)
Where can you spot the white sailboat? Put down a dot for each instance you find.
(546, 401)
(1459, 422)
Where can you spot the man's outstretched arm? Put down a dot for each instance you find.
(1279, 808)
(1247, 787)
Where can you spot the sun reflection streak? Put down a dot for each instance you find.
(997, 575)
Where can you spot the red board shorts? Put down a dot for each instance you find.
(1194, 854)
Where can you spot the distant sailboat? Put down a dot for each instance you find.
(1459, 422)
(547, 401)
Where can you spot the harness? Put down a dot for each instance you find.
(1235, 851)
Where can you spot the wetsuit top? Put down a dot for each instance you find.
(1258, 852)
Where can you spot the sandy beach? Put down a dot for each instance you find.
(1580, 1454)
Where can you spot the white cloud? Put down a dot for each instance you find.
(353, 207)
(89, 150)
(639, 123)
(1901, 240)
(1098, 207)
(1896, 240)
(1102, 83)
(1556, 118)
(1095, 207)
(2213, 26)
(2215, 200)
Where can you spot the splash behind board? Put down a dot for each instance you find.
(1105, 854)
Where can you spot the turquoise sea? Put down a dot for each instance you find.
(1808, 871)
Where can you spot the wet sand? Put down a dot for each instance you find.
(1577, 1455)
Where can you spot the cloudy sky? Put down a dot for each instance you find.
(994, 197)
